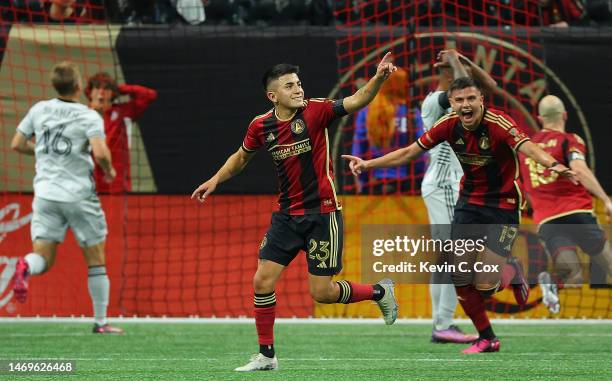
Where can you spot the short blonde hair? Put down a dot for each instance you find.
(65, 78)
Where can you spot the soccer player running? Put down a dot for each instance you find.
(65, 133)
(294, 131)
(563, 210)
(486, 142)
(102, 91)
(440, 189)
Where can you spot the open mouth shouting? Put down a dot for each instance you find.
(467, 116)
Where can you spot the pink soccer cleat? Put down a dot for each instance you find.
(483, 345)
(519, 282)
(452, 335)
(20, 279)
(107, 329)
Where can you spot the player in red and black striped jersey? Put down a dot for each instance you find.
(486, 142)
(299, 147)
(294, 132)
(563, 210)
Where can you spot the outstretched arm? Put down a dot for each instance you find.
(590, 182)
(233, 166)
(479, 74)
(457, 61)
(544, 158)
(392, 159)
(364, 95)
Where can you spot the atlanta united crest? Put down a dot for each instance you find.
(484, 143)
(297, 126)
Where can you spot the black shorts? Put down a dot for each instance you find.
(498, 227)
(319, 235)
(579, 229)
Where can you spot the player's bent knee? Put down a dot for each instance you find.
(461, 279)
(263, 284)
(487, 289)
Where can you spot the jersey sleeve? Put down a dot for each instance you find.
(440, 132)
(575, 148)
(95, 127)
(443, 100)
(510, 133)
(26, 126)
(253, 139)
(431, 111)
(140, 98)
(326, 110)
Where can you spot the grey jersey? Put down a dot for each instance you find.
(444, 169)
(64, 165)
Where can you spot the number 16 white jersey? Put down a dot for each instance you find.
(64, 165)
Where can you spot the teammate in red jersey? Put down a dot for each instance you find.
(294, 131)
(563, 210)
(486, 142)
(102, 91)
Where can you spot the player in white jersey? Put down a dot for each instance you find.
(62, 133)
(440, 189)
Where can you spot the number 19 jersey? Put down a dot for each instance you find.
(64, 165)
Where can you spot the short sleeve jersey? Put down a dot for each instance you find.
(488, 156)
(300, 149)
(546, 188)
(444, 169)
(64, 166)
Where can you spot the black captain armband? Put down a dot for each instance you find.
(338, 108)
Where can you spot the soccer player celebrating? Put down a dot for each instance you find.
(440, 190)
(485, 142)
(563, 210)
(65, 133)
(294, 131)
(102, 91)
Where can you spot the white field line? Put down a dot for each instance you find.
(410, 334)
(534, 356)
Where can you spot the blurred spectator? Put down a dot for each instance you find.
(192, 11)
(102, 91)
(600, 11)
(561, 13)
(320, 12)
(76, 11)
(384, 126)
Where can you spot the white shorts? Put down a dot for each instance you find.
(440, 208)
(51, 219)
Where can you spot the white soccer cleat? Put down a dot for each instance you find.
(550, 293)
(259, 362)
(388, 303)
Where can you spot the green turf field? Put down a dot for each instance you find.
(311, 352)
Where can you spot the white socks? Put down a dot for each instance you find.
(443, 301)
(36, 263)
(99, 286)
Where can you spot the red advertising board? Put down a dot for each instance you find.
(166, 256)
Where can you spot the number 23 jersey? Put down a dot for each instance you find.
(64, 165)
